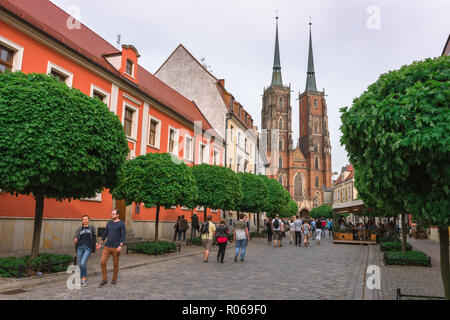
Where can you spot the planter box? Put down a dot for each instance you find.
(406, 262)
(344, 236)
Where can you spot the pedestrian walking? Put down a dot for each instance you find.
(269, 230)
(306, 230)
(241, 237)
(176, 227)
(298, 231)
(277, 228)
(313, 227)
(194, 225)
(330, 228)
(318, 233)
(85, 243)
(324, 225)
(222, 239)
(115, 232)
(292, 231)
(183, 227)
(207, 232)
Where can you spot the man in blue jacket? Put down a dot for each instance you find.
(115, 231)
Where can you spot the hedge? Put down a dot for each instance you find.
(45, 263)
(153, 248)
(409, 258)
(393, 246)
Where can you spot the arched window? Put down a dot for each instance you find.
(280, 180)
(315, 103)
(317, 182)
(298, 186)
(280, 103)
(280, 144)
(316, 147)
(316, 163)
(316, 126)
(280, 162)
(280, 124)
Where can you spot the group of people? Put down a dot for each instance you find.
(362, 230)
(299, 230)
(241, 236)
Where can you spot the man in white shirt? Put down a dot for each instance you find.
(298, 231)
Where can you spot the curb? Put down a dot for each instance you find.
(27, 283)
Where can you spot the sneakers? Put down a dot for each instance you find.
(235, 258)
(113, 283)
(103, 283)
(83, 283)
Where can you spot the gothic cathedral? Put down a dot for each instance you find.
(306, 170)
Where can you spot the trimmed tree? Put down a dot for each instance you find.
(323, 211)
(254, 192)
(55, 142)
(156, 180)
(218, 187)
(278, 198)
(396, 135)
(291, 209)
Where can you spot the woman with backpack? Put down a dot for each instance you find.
(85, 242)
(222, 239)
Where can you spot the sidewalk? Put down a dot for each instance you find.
(127, 261)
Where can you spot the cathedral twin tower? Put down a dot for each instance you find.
(306, 170)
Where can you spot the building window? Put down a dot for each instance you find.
(6, 57)
(60, 74)
(99, 94)
(315, 103)
(316, 148)
(317, 182)
(316, 163)
(239, 139)
(349, 194)
(128, 121)
(280, 144)
(173, 141)
(155, 132)
(280, 103)
(280, 180)
(231, 162)
(245, 144)
(188, 154)
(216, 158)
(231, 133)
(129, 68)
(201, 158)
(280, 124)
(280, 162)
(298, 186)
(316, 127)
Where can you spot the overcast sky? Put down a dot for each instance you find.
(354, 42)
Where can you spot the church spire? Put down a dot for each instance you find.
(276, 74)
(310, 74)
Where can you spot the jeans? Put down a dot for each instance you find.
(221, 252)
(83, 253)
(194, 232)
(177, 232)
(241, 245)
(269, 237)
(298, 238)
(323, 232)
(182, 232)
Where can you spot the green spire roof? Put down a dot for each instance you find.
(276, 74)
(310, 74)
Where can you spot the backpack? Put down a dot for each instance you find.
(276, 224)
(204, 228)
(221, 231)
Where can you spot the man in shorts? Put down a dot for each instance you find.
(277, 228)
(207, 235)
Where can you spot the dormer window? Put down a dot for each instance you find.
(129, 68)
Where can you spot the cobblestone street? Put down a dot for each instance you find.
(325, 271)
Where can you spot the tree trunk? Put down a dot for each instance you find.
(257, 223)
(157, 224)
(395, 229)
(38, 214)
(403, 232)
(445, 264)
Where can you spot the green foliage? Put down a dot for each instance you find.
(323, 211)
(254, 192)
(393, 246)
(196, 241)
(153, 248)
(396, 136)
(290, 209)
(277, 200)
(218, 187)
(56, 140)
(9, 267)
(409, 258)
(156, 179)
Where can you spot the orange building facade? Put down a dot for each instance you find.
(156, 118)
